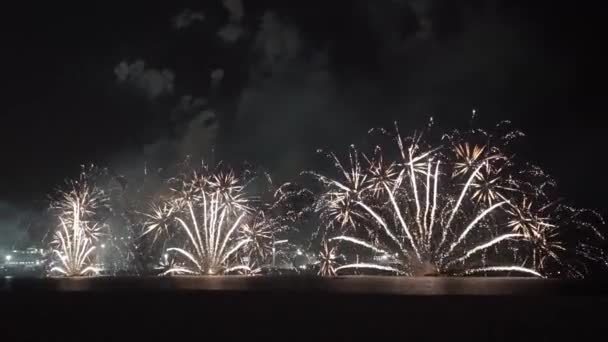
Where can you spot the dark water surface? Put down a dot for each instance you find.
(311, 309)
(410, 286)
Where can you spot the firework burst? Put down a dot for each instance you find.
(74, 249)
(79, 210)
(159, 219)
(210, 232)
(91, 201)
(215, 226)
(443, 210)
(328, 260)
(338, 203)
(259, 232)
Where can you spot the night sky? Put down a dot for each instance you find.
(274, 80)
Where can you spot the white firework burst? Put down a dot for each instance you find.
(74, 248)
(420, 221)
(210, 234)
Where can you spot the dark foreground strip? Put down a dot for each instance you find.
(342, 309)
(432, 286)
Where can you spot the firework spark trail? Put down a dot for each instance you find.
(458, 203)
(74, 250)
(426, 207)
(415, 188)
(380, 173)
(261, 232)
(485, 246)
(503, 269)
(422, 241)
(389, 232)
(436, 178)
(159, 220)
(215, 244)
(214, 225)
(87, 199)
(418, 214)
(472, 225)
(80, 211)
(370, 267)
(327, 260)
(345, 192)
(449, 209)
(359, 242)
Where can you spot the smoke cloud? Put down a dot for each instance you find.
(305, 93)
(276, 44)
(19, 228)
(186, 18)
(150, 82)
(235, 9)
(302, 90)
(233, 30)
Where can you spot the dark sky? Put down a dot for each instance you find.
(311, 74)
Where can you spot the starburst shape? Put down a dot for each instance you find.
(327, 260)
(490, 186)
(467, 158)
(231, 188)
(524, 220)
(341, 211)
(382, 175)
(159, 219)
(259, 233)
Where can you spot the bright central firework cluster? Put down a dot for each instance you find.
(213, 226)
(465, 206)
